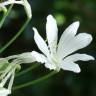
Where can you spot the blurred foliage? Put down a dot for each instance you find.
(65, 11)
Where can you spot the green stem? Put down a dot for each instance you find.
(27, 70)
(35, 81)
(5, 15)
(14, 37)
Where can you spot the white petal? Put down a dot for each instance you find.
(52, 33)
(70, 66)
(4, 92)
(50, 66)
(79, 57)
(23, 58)
(40, 42)
(39, 57)
(80, 41)
(26, 57)
(67, 36)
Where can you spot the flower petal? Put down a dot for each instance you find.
(52, 33)
(40, 42)
(50, 66)
(67, 36)
(70, 66)
(26, 57)
(80, 41)
(4, 91)
(39, 57)
(79, 57)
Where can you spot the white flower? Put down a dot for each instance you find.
(58, 56)
(22, 2)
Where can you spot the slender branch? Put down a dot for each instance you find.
(5, 16)
(35, 81)
(15, 37)
(27, 70)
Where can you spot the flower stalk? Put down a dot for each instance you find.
(5, 16)
(35, 81)
(14, 37)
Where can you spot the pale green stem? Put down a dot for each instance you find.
(5, 15)
(11, 80)
(15, 37)
(27, 70)
(6, 78)
(35, 81)
(7, 70)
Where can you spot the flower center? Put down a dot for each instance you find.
(56, 61)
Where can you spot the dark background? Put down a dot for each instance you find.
(64, 83)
